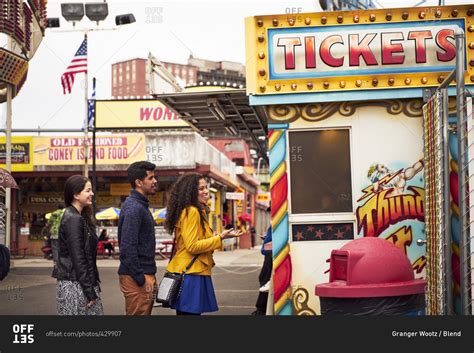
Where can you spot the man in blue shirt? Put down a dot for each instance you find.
(136, 238)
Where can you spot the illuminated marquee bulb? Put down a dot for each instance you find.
(326, 84)
(262, 89)
(277, 87)
(407, 81)
(470, 12)
(261, 72)
(291, 21)
(375, 82)
(454, 13)
(356, 19)
(440, 78)
(342, 84)
(405, 15)
(471, 62)
(294, 86)
(275, 22)
(324, 20)
(391, 81)
(372, 18)
(261, 39)
(472, 78)
(421, 15)
(388, 17)
(260, 23)
(309, 85)
(261, 55)
(340, 19)
(307, 21)
(358, 83)
(470, 28)
(438, 13)
(424, 80)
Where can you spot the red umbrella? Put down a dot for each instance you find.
(6, 179)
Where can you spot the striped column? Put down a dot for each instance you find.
(280, 227)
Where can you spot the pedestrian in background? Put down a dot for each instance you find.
(136, 238)
(194, 243)
(78, 290)
(103, 237)
(265, 274)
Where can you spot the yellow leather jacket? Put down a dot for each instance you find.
(191, 240)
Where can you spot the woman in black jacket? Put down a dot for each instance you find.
(77, 276)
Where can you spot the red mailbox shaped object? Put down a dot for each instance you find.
(370, 268)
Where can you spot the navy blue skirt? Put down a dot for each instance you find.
(197, 295)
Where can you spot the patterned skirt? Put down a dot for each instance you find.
(70, 299)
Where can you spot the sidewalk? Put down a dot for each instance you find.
(239, 257)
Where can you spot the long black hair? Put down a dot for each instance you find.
(73, 186)
(183, 194)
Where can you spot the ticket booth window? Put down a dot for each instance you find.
(320, 171)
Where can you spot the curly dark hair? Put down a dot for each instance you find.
(183, 194)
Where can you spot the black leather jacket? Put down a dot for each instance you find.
(77, 252)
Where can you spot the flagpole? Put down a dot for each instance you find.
(86, 120)
(94, 171)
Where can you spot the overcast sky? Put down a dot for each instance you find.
(212, 29)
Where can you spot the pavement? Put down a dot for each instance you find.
(29, 288)
(239, 257)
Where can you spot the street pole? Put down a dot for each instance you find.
(8, 154)
(86, 121)
(8, 163)
(462, 177)
(94, 171)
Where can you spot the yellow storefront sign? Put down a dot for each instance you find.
(69, 150)
(263, 197)
(120, 189)
(135, 114)
(22, 160)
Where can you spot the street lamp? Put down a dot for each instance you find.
(72, 11)
(96, 12)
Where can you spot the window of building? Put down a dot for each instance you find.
(320, 171)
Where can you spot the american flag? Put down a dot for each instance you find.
(77, 65)
(90, 112)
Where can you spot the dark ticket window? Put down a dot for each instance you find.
(326, 231)
(320, 170)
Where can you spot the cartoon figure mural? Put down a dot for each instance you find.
(391, 207)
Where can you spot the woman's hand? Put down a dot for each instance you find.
(89, 304)
(230, 233)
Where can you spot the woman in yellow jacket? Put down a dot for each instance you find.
(186, 218)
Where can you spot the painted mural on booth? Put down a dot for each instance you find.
(391, 206)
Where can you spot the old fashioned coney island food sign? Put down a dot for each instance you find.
(348, 50)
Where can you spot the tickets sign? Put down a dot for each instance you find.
(69, 150)
(369, 49)
(350, 50)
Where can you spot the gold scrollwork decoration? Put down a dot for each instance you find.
(283, 113)
(300, 302)
(319, 111)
